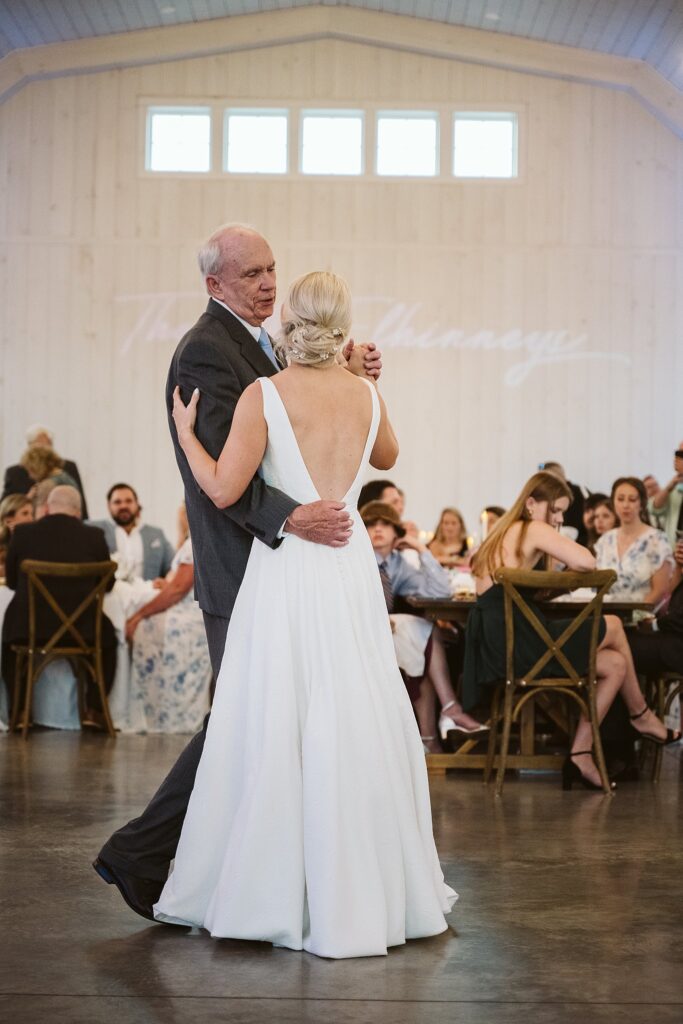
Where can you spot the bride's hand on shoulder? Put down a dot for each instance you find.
(185, 416)
(363, 360)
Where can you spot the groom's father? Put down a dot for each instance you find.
(225, 351)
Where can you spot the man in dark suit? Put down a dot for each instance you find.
(60, 536)
(225, 352)
(17, 479)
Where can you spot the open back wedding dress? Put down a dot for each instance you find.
(309, 825)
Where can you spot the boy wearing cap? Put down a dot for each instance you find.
(419, 650)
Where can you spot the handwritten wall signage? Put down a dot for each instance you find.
(154, 319)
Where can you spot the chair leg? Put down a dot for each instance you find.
(493, 735)
(493, 730)
(598, 754)
(16, 692)
(660, 697)
(99, 679)
(28, 702)
(505, 742)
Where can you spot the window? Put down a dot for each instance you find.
(485, 145)
(255, 141)
(407, 143)
(332, 142)
(178, 139)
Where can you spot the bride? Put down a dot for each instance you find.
(309, 825)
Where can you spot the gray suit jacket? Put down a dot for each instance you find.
(221, 358)
(156, 547)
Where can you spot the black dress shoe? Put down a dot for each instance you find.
(139, 893)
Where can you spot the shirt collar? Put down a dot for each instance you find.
(254, 331)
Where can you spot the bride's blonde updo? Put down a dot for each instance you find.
(316, 319)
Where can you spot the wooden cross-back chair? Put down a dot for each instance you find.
(515, 692)
(67, 640)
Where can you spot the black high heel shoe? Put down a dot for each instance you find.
(671, 736)
(571, 773)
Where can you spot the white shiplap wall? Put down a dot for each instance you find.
(100, 277)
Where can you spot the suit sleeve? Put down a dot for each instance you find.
(168, 554)
(100, 551)
(262, 510)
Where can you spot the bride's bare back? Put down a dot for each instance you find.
(330, 411)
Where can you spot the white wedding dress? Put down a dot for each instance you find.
(309, 825)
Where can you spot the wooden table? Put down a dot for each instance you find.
(472, 753)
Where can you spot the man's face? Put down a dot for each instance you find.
(678, 461)
(123, 507)
(392, 496)
(382, 535)
(246, 280)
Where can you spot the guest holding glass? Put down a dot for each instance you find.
(526, 535)
(640, 555)
(449, 545)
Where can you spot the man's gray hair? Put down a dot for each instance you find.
(210, 255)
(64, 498)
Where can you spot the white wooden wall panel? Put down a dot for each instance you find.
(100, 277)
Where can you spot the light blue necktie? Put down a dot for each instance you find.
(264, 342)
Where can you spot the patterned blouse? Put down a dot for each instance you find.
(638, 564)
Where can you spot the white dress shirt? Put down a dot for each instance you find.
(131, 556)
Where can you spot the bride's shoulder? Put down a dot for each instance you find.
(251, 399)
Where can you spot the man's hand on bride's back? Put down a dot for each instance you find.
(363, 360)
(321, 522)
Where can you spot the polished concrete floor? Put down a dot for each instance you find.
(570, 909)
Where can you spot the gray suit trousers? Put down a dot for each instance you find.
(146, 846)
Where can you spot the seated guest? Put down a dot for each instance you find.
(589, 506)
(666, 506)
(449, 545)
(389, 494)
(412, 634)
(40, 493)
(14, 509)
(170, 668)
(374, 490)
(45, 464)
(574, 517)
(494, 513)
(657, 644)
(640, 555)
(142, 551)
(604, 520)
(651, 485)
(17, 479)
(59, 537)
(528, 533)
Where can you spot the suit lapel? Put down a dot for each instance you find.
(250, 349)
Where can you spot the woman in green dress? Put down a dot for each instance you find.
(525, 535)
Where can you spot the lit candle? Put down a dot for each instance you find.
(484, 526)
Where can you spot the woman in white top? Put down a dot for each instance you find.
(640, 555)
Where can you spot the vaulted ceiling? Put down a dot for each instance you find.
(647, 30)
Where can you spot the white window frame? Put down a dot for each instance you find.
(472, 113)
(408, 115)
(331, 112)
(256, 112)
(153, 109)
